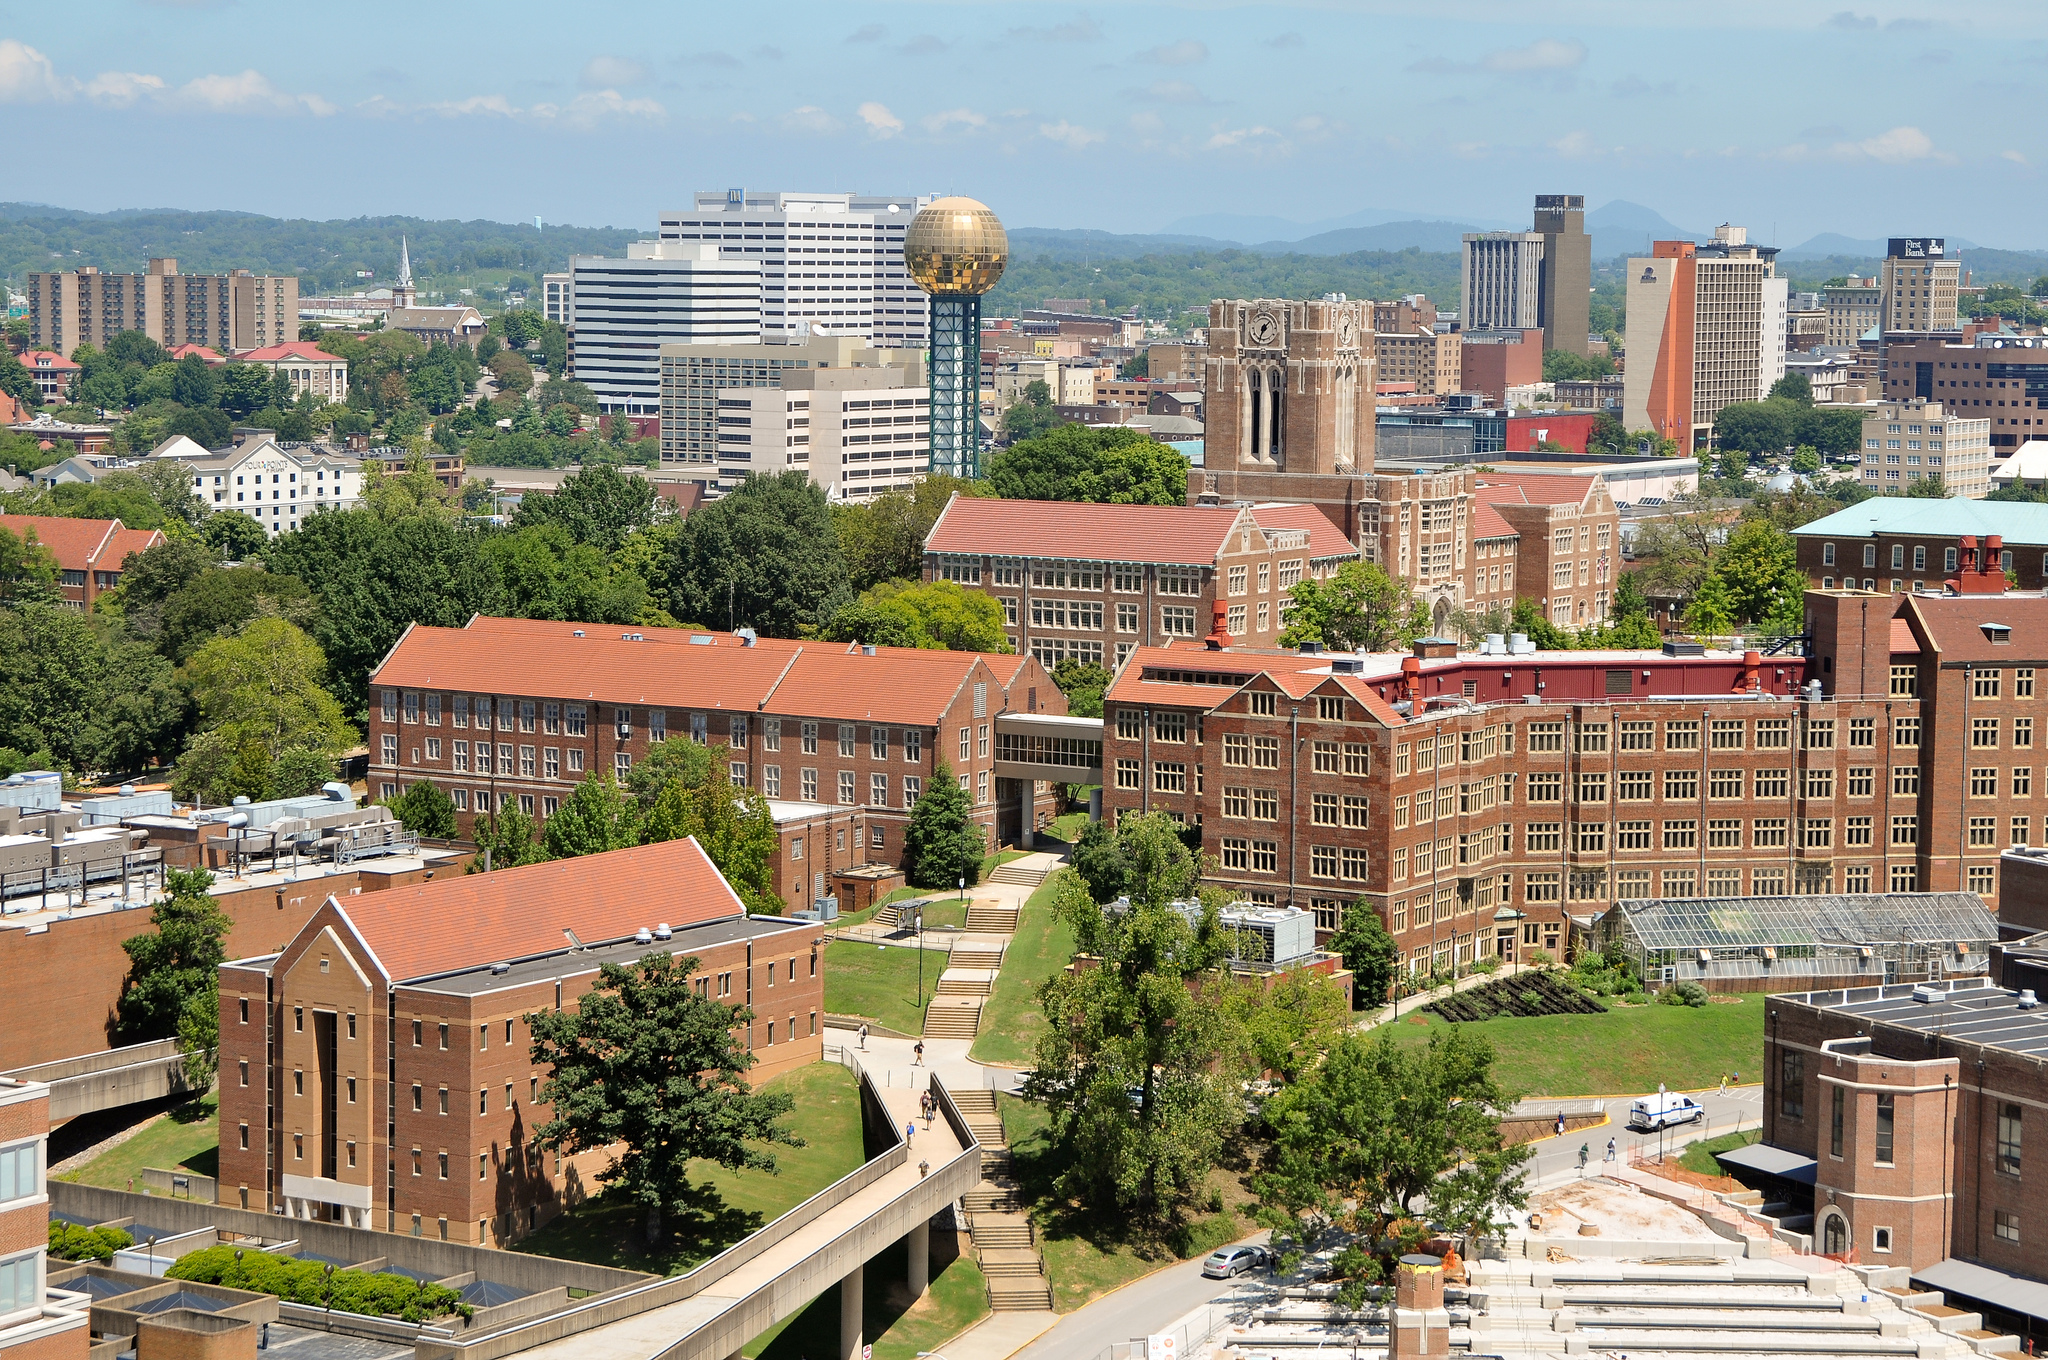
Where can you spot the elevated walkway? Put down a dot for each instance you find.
(105, 1081)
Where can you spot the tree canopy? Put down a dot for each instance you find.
(1110, 463)
(941, 844)
(1357, 608)
(940, 615)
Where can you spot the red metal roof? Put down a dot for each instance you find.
(1189, 535)
(1212, 678)
(476, 919)
(306, 351)
(46, 361)
(1325, 538)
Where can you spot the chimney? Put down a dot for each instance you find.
(1219, 628)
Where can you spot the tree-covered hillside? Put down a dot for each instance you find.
(1167, 286)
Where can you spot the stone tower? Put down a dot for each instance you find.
(1289, 404)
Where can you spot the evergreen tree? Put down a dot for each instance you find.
(941, 845)
(1369, 952)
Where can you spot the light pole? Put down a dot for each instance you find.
(917, 923)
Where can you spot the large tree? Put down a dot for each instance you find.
(731, 822)
(883, 539)
(596, 817)
(763, 556)
(1133, 1065)
(174, 969)
(425, 809)
(1754, 578)
(940, 615)
(942, 845)
(600, 506)
(261, 695)
(1369, 952)
(648, 1071)
(1091, 463)
(1357, 608)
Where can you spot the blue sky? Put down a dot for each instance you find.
(1792, 117)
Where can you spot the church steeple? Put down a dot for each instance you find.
(402, 294)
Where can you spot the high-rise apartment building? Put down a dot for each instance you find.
(858, 432)
(1706, 327)
(831, 264)
(694, 376)
(1431, 360)
(1917, 285)
(556, 299)
(1853, 309)
(1906, 441)
(224, 312)
(1501, 281)
(1565, 274)
(663, 292)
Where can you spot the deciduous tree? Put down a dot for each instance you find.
(176, 962)
(935, 615)
(1369, 952)
(596, 817)
(426, 810)
(1356, 608)
(646, 1065)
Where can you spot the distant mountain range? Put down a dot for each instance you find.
(1618, 229)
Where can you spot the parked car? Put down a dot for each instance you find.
(1230, 1262)
(1666, 1109)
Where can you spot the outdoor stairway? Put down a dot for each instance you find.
(978, 1108)
(1005, 1243)
(966, 981)
(889, 917)
(988, 918)
(952, 1017)
(1017, 872)
(972, 953)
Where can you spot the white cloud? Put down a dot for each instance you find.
(586, 111)
(1172, 92)
(26, 75)
(123, 88)
(608, 73)
(1186, 52)
(810, 118)
(1079, 30)
(1070, 135)
(1545, 54)
(880, 122)
(582, 113)
(1316, 128)
(1575, 145)
(1898, 146)
(486, 105)
(2015, 157)
(1257, 136)
(966, 119)
(248, 92)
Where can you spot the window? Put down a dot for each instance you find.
(1984, 684)
(1169, 777)
(1816, 783)
(1544, 836)
(1323, 809)
(1683, 786)
(1681, 835)
(1724, 833)
(846, 788)
(1905, 682)
(1773, 734)
(1330, 708)
(1724, 783)
(1357, 812)
(1265, 857)
(1984, 781)
(1546, 788)
(1906, 780)
(1265, 753)
(1682, 736)
(2005, 1225)
(1983, 732)
(1633, 786)
(1322, 861)
(2023, 683)
(1792, 1084)
(1820, 734)
(1767, 832)
(1127, 774)
(1631, 835)
(1236, 853)
(2009, 1120)
(1546, 736)
(1726, 734)
(1862, 732)
(1771, 783)
(1905, 831)
(1357, 758)
(1835, 1111)
(1856, 831)
(1885, 1121)
(1982, 879)
(2022, 734)
(1266, 805)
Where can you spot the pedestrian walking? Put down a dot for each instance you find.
(918, 1060)
(910, 1131)
(863, 1038)
(1560, 1123)
(1610, 1150)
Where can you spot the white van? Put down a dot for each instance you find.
(1666, 1109)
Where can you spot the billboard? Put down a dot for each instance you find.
(1915, 247)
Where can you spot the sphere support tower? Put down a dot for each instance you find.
(956, 384)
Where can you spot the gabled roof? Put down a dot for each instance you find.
(478, 919)
(681, 668)
(1488, 523)
(1180, 535)
(208, 356)
(1955, 625)
(2017, 522)
(1206, 679)
(47, 360)
(83, 544)
(1536, 488)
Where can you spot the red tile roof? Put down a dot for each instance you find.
(83, 544)
(46, 361)
(1954, 625)
(477, 919)
(1487, 523)
(1902, 636)
(306, 351)
(665, 669)
(1538, 489)
(1188, 535)
(1214, 677)
(207, 355)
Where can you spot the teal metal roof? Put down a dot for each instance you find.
(2018, 522)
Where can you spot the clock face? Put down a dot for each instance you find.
(1344, 332)
(1263, 329)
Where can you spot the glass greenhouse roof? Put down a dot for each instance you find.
(1841, 919)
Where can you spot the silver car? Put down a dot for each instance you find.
(1230, 1262)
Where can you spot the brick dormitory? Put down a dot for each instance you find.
(830, 726)
(1479, 801)
(378, 1070)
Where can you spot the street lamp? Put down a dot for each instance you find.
(917, 924)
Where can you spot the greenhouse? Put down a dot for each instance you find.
(1800, 943)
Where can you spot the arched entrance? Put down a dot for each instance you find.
(1440, 617)
(1834, 1233)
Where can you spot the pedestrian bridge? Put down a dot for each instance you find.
(1059, 750)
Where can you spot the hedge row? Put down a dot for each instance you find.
(354, 1291)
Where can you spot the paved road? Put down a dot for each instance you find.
(1148, 1305)
(1557, 1159)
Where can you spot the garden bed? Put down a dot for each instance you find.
(1522, 996)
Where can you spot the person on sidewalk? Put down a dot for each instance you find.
(863, 1038)
(918, 1059)
(910, 1131)
(1560, 1123)
(1610, 1149)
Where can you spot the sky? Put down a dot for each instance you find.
(1793, 118)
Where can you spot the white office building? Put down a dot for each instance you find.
(1501, 281)
(554, 299)
(693, 377)
(831, 264)
(275, 486)
(663, 292)
(858, 432)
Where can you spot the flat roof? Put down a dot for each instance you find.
(575, 963)
(1965, 1011)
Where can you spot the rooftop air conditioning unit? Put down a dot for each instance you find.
(2027, 1000)
(1925, 993)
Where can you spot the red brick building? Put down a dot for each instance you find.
(1476, 799)
(378, 1070)
(90, 553)
(1095, 582)
(1568, 541)
(31, 1327)
(857, 727)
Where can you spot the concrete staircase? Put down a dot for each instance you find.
(966, 981)
(1022, 872)
(969, 952)
(1005, 1242)
(952, 1017)
(989, 918)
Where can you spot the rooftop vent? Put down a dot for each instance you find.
(127, 790)
(662, 931)
(1998, 634)
(1347, 665)
(500, 969)
(867, 649)
(643, 936)
(578, 632)
(632, 637)
(747, 636)
(1925, 994)
(1311, 648)
(1684, 649)
(2027, 999)
(702, 640)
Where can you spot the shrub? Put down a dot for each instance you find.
(1488, 964)
(1539, 958)
(1684, 994)
(307, 1282)
(69, 1242)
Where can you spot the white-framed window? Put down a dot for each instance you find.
(21, 1172)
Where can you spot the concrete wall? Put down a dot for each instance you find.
(119, 1076)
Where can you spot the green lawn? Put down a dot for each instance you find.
(729, 1204)
(185, 1138)
(989, 863)
(1700, 1157)
(879, 982)
(1627, 1050)
(957, 1299)
(1087, 1255)
(1011, 1021)
(1066, 828)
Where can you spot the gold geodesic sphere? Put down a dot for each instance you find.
(956, 247)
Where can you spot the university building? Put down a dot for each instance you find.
(521, 711)
(1097, 582)
(1475, 799)
(378, 1070)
